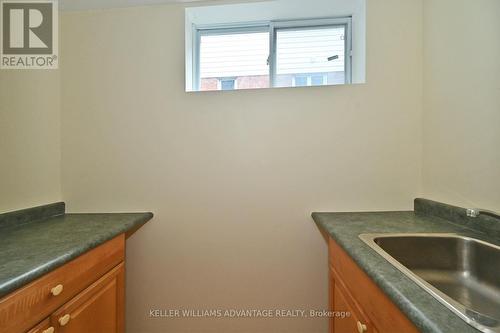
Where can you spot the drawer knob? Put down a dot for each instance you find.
(49, 330)
(57, 290)
(361, 327)
(64, 319)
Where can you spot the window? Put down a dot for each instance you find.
(227, 84)
(272, 54)
(300, 81)
(314, 52)
(233, 59)
(317, 79)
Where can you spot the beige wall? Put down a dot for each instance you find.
(29, 138)
(232, 176)
(462, 102)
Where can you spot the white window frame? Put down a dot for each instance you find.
(272, 27)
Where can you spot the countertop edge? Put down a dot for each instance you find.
(32, 275)
(413, 313)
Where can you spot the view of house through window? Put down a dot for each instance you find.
(234, 60)
(277, 54)
(310, 56)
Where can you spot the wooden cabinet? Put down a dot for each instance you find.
(96, 309)
(43, 327)
(353, 319)
(353, 292)
(84, 295)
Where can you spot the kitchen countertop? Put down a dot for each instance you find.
(427, 313)
(36, 241)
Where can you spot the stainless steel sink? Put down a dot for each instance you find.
(462, 273)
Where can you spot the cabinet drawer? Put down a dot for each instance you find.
(26, 307)
(43, 327)
(97, 309)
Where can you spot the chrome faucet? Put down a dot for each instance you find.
(475, 212)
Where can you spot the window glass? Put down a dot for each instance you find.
(318, 53)
(317, 80)
(239, 56)
(228, 84)
(300, 81)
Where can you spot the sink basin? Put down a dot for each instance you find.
(462, 273)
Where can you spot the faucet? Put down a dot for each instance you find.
(475, 212)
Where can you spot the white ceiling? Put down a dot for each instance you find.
(73, 5)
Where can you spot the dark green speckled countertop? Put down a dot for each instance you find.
(36, 241)
(428, 314)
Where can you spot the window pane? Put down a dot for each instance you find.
(227, 84)
(300, 81)
(317, 80)
(306, 51)
(242, 57)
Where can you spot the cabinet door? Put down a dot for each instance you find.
(342, 302)
(97, 309)
(27, 306)
(372, 302)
